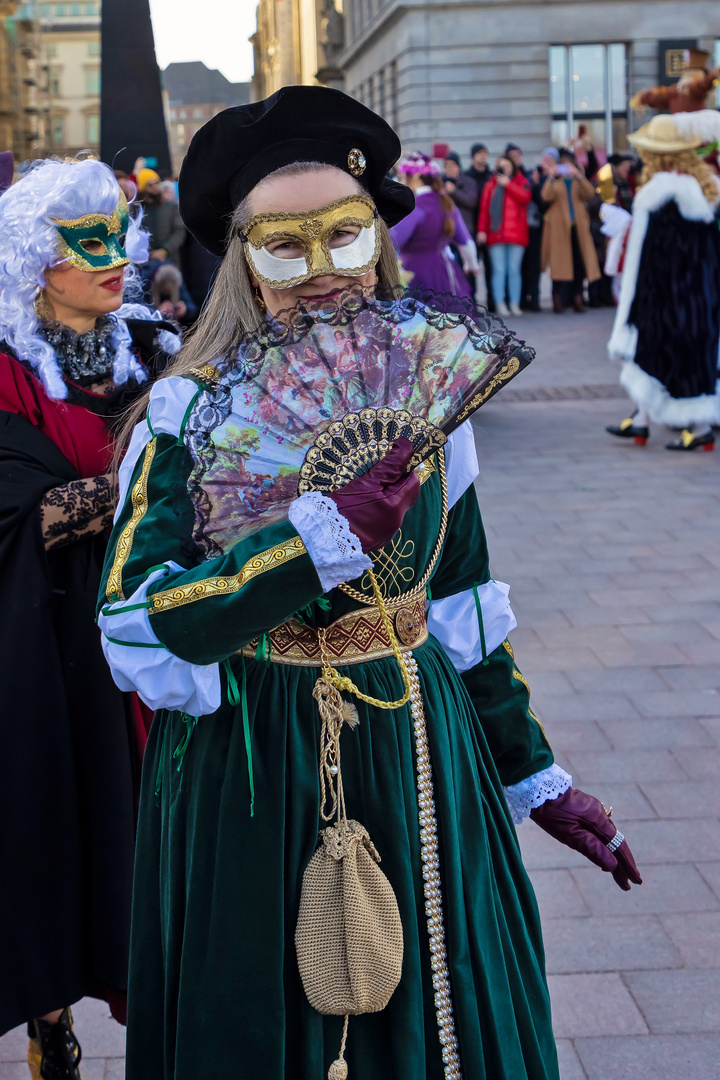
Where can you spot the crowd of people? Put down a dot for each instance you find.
(136, 580)
(522, 221)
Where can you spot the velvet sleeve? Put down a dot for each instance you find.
(498, 689)
(206, 609)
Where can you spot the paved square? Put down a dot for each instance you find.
(613, 554)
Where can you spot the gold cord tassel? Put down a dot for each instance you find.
(339, 1070)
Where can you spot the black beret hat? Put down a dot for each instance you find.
(238, 147)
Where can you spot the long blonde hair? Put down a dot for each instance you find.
(231, 309)
(687, 161)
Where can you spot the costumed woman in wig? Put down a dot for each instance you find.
(302, 684)
(667, 324)
(71, 358)
(423, 236)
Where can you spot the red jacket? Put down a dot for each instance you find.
(514, 226)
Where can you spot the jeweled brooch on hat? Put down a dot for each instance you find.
(357, 163)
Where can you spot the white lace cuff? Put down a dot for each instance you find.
(139, 661)
(333, 548)
(537, 789)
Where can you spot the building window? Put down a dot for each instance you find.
(60, 10)
(58, 131)
(588, 94)
(93, 48)
(52, 50)
(93, 128)
(91, 9)
(74, 9)
(92, 82)
(197, 114)
(55, 85)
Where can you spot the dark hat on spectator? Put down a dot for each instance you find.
(240, 146)
(617, 159)
(477, 147)
(452, 156)
(567, 154)
(511, 146)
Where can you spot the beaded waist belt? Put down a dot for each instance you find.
(351, 639)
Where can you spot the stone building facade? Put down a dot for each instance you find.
(69, 84)
(22, 127)
(530, 71)
(297, 41)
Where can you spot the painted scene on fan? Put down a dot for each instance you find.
(249, 475)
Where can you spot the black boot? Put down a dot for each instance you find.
(688, 441)
(627, 430)
(54, 1053)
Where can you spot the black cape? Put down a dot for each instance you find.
(676, 308)
(68, 753)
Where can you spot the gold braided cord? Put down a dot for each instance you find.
(370, 601)
(342, 682)
(123, 547)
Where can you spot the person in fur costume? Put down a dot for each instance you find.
(667, 325)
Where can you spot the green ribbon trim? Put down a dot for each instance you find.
(135, 644)
(186, 417)
(126, 607)
(478, 608)
(161, 763)
(150, 427)
(181, 748)
(264, 650)
(236, 697)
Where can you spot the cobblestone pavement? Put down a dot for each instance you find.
(613, 554)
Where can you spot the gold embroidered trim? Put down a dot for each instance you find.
(511, 368)
(363, 598)
(521, 678)
(207, 588)
(207, 374)
(354, 638)
(123, 548)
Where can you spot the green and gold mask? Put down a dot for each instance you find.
(95, 241)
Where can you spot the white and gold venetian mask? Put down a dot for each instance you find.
(341, 238)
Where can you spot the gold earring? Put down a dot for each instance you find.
(259, 300)
(41, 308)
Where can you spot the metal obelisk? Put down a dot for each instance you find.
(132, 120)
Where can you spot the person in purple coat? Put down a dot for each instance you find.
(424, 236)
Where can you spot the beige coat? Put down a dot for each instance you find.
(556, 241)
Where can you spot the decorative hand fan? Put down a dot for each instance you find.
(317, 401)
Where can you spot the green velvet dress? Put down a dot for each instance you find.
(215, 990)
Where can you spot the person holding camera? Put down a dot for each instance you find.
(567, 244)
(503, 226)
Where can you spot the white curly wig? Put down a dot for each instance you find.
(29, 245)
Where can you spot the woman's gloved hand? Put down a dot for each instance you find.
(375, 504)
(582, 822)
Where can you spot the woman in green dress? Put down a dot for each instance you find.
(223, 618)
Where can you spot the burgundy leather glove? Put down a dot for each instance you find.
(375, 504)
(582, 822)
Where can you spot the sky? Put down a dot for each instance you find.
(218, 37)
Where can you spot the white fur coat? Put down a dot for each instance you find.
(645, 390)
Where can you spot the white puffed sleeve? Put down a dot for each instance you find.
(466, 634)
(461, 463)
(170, 400)
(138, 661)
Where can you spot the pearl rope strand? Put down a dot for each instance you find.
(431, 881)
